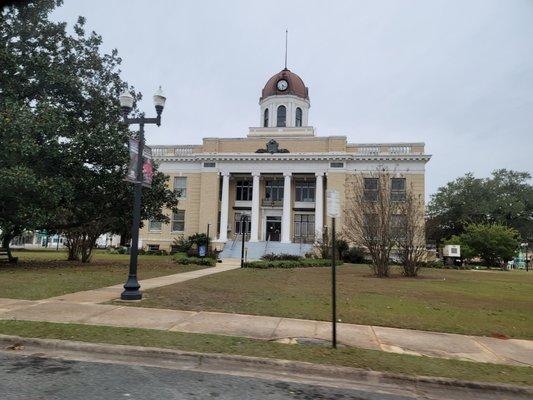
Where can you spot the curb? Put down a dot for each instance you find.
(257, 364)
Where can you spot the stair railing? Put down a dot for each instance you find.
(235, 240)
(267, 242)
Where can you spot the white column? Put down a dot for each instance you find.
(254, 234)
(319, 206)
(286, 218)
(224, 208)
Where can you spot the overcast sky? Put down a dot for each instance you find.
(457, 75)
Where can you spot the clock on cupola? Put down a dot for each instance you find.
(282, 85)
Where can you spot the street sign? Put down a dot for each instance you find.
(333, 203)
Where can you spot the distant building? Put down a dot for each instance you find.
(277, 176)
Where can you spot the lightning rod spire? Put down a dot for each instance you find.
(286, 43)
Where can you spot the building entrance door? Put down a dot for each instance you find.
(273, 229)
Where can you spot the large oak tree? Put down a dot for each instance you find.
(63, 148)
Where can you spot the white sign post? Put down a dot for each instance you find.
(333, 205)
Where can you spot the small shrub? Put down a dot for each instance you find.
(199, 239)
(434, 264)
(192, 252)
(205, 261)
(155, 252)
(280, 257)
(181, 245)
(123, 250)
(302, 263)
(342, 248)
(355, 255)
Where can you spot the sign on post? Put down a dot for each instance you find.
(334, 210)
(333, 203)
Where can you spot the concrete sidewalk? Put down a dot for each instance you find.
(405, 341)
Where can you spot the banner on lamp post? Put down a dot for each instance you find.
(148, 167)
(133, 146)
(147, 164)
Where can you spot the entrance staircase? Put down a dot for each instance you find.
(255, 250)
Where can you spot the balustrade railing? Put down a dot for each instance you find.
(181, 150)
(392, 149)
(272, 203)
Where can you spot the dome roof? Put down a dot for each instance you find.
(295, 87)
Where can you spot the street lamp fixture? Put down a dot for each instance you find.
(131, 287)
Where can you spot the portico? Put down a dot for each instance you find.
(271, 204)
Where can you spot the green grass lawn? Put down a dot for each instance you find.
(349, 356)
(45, 273)
(467, 302)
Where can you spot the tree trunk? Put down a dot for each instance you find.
(6, 239)
(72, 245)
(87, 246)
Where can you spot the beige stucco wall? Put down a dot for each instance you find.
(335, 181)
(190, 204)
(209, 202)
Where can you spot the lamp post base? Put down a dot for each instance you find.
(131, 295)
(131, 290)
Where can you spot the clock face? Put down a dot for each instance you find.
(282, 84)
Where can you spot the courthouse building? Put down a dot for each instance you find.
(277, 175)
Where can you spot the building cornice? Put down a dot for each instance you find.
(341, 156)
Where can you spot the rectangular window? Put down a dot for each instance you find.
(397, 189)
(370, 222)
(371, 188)
(180, 185)
(398, 226)
(178, 221)
(305, 191)
(244, 190)
(304, 227)
(153, 247)
(274, 190)
(336, 165)
(154, 226)
(241, 226)
(209, 165)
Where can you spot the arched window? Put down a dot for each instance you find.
(298, 116)
(265, 118)
(282, 116)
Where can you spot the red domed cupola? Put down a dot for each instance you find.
(283, 83)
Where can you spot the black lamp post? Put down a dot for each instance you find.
(131, 287)
(244, 218)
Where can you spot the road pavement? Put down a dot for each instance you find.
(35, 377)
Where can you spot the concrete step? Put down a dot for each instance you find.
(255, 250)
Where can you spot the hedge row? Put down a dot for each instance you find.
(305, 263)
(182, 260)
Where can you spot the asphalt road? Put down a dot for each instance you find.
(25, 377)
(32, 378)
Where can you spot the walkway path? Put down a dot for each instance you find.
(113, 292)
(82, 308)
